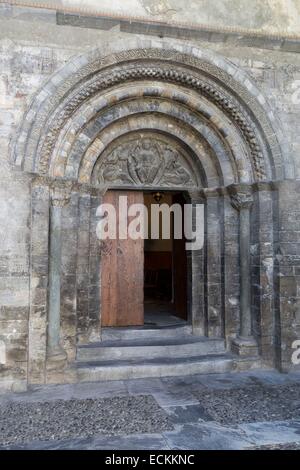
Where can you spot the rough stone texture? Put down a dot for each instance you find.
(39, 246)
(291, 446)
(190, 426)
(68, 284)
(63, 419)
(31, 50)
(252, 403)
(288, 259)
(83, 268)
(271, 16)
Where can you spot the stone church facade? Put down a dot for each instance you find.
(219, 114)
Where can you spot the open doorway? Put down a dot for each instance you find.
(165, 269)
(143, 282)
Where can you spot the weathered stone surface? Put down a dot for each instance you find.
(233, 111)
(63, 419)
(271, 18)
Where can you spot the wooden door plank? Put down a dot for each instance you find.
(122, 274)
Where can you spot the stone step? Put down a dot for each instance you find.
(142, 332)
(159, 367)
(151, 348)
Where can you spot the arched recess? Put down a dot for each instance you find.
(198, 104)
(229, 98)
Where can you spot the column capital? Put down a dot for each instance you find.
(60, 196)
(197, 195)
(242, 200)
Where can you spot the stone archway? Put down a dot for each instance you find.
(229, 148)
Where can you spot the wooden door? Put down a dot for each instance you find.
(122, 272)
(180, 271)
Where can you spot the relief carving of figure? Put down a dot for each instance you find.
(144, 161)
(113, 170)
(174, 172)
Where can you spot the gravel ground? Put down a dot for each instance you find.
(290, 446)
(252, 404)
(63, 419)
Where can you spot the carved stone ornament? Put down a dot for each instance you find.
(242, 200)
(60, 196)
(158, 72)
(144, 161)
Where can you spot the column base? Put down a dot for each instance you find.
(56, 359)
(244, 346)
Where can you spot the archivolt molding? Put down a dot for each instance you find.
(136, 72)
(195, 113)
(206, 166)
(210, 76)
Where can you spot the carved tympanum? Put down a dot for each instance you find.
(144, 161)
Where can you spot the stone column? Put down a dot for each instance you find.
(244, 344)
(83, 272)
(94, 292)
(196, 276)
(55, 352)
(39, 282)
(214, 217)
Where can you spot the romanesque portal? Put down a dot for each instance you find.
(147, 118)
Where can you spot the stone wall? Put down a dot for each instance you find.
(31, 50)
(288, 259)
(270, 16)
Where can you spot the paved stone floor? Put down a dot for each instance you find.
(161, 314)
(249, 410)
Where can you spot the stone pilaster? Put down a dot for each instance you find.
(56, 356)
(244, 344)
(82, 274)
(94, 291)
(265, 274)
(69, 254)
(231, 270)
(287, 260)
(39, 269)
(213, 255)
(196, 262)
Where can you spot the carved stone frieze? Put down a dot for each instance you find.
(144, 161)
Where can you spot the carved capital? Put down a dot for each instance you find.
(197, 196)
(242, 200)
(60, 196)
